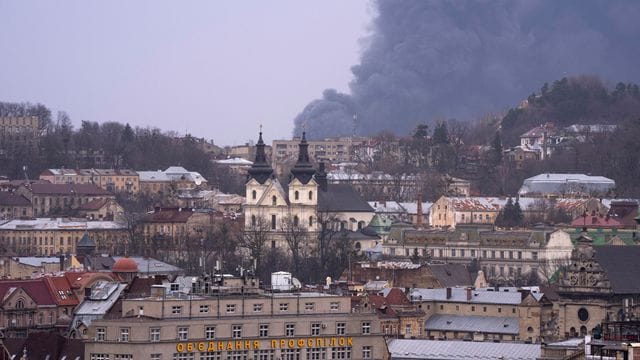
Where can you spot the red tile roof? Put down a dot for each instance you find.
(397, 297)
(61, 291)
(37, 289)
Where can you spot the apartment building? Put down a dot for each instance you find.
(113, 180)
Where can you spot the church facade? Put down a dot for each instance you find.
(306, 203)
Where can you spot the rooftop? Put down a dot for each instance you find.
(401, 349)
(60, 224)
(484, 324)
(460, 295)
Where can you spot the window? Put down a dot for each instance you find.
(183, 333)
(289, 329)
(461, 252)
(123, 356)
(519, 255)
(473, 308)
(176, 309)
(154, 334)
(315, 329)
(183, 356)
(473, 253)
(309, 306)
(99, 356)
(210, 332)
(263, 354)
(254, 195)
(510, 254)
(310, 195)
(296, 221)
(273, 222)
(484, 253)
(290, 354)
(366, 352)
(341, 328)
(257, 307)
(366, 328)
(501, 254)
(236, 331)
(101, 334)
(310, 221)
(534, 256)
(231, 308)
(341, 352)
(124, 334)
(204, 309)
(499, 309)
(296, 195)
(263, 330)
(453, 252)
(253, 220)
(284, 306)
(335, 305)
(274, 200)
(316, 354)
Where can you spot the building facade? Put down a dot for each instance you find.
(61, 199)
(113, 180)
(251, 326)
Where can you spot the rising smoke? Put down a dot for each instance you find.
(459, 59)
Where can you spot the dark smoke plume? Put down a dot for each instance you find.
(459, 59)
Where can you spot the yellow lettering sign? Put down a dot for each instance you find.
(179, 347)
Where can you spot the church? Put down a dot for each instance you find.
(307, 202)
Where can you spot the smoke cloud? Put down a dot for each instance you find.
(459, 59)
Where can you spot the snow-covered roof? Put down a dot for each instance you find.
(235, 161)
(60, 224)
(565, 183)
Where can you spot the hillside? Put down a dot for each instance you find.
(578, 100)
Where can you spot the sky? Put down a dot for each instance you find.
(214, 69)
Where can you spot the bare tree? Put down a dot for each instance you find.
(254, 239)
(296, 236)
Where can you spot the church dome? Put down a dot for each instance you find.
(125, 265)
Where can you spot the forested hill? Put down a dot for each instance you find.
(577, 100)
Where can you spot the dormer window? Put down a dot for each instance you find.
(254, 194)
(296, 195)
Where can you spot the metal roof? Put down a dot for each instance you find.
(37, 261)
(484, 324)
(562, 183)
(444, 350)
(460, 295)
(150, 266)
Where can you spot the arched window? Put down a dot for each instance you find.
(296, 221)
(296, 195)
(310, 221)
(583, 330)
(254, 194)
(360, 225)
(274, 200)
(253, 220)
(310, 195)
(20, 304)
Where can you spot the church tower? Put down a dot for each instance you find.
(303, 188)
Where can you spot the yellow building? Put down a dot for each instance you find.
(44, 236)
(113, 180)
(255, 325)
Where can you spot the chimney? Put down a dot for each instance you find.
(469, 294)
(61, 262)
(448, 293)
(419, 210)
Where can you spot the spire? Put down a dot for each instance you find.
(260, 170)
(303, 170)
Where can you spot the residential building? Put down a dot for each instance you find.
(18, 131)
(326, 150)
(237, 165)
(483, 314)
(31, 304)
(399, 317)
(112, 180)
(504, 256)
(101, 209)
(404, 274)
(61, 199)
(171, 229)
(14, 206)
(170, 180)
(49, 236)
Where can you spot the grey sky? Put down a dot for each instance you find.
(214, 68)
